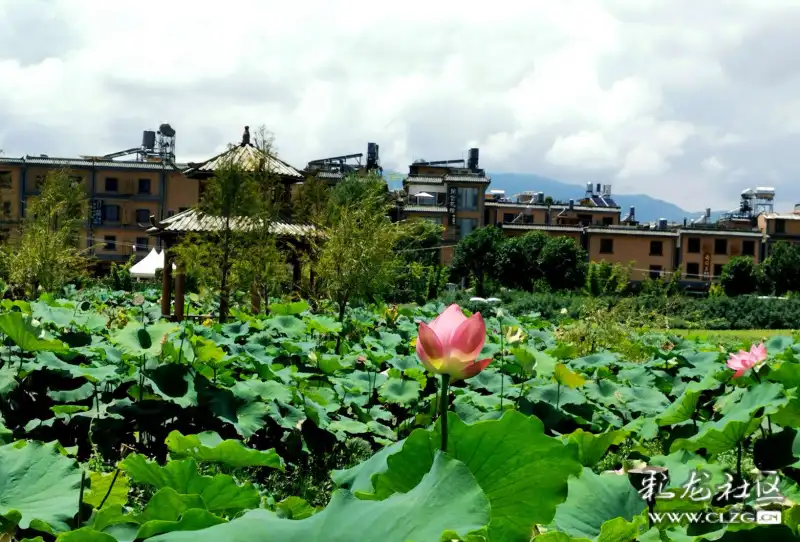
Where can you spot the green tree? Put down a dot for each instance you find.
(356, 258)
(782, 268)
(476, 256)
(563, 263)
(46, 254)
(518, 260)
(605, 278)
(419, 270)
(740, 276)
(246, 200)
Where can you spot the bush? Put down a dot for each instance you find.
(739, 276)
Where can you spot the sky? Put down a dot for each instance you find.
(686, 101)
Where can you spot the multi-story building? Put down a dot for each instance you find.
(123, 194)
(450, 193)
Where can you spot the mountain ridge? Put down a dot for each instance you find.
(647, 208)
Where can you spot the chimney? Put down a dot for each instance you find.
(571, 204)
(684, 222)
(708, 212)
(633, 212)
(246, 136)
(598, 189)
(472, 161)
(373, 159)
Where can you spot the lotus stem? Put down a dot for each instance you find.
(443, 409)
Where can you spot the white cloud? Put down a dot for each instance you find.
(584, 150)
(644, 92)
(713, 165)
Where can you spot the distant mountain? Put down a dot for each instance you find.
(647, 207)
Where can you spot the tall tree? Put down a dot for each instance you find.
(46, 254)
(245, 197)
(356, 258)
(476, 255)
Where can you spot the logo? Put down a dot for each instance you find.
(769, 517)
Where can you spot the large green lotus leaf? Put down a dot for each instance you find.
(359, 478)
(6, 435)
(72, 396)
(48, 360)
(680, 466)
(27, 337)
(613, 530)
(398, 391)
(522, 471)
(595, 499)
(38, 483)
(266, 390)
(738, 420)
(64, 317)
(100, 483)
(8, 380)
(288, 325)
(684, 406)
(219, 492)
(297, 307)
(194, 519)
(85, 534)
(210, 447)
(555, 395)
(138, 340)
(778, 344)
(446, 499)
(592, 448)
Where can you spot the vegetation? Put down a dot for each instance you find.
(258, 429)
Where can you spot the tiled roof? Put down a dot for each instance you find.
(781, 216)
(544, 227)
(425, 209)
(720, 231)
(633, 231)
(467, 179)
(423, 179)
(48, 161)
(193, 221)
(247, 157)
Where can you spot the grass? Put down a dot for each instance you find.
(743, 334)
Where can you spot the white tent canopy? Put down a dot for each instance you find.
(147, 267)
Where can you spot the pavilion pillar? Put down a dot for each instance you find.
(166, 283)
(180, 291)
(297, 271)
(255, 299)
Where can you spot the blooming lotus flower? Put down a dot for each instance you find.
(743, 361)
(452, 343)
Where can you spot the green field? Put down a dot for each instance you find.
(711, 335)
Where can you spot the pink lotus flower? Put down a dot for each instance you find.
(743, 361)
(451, 344)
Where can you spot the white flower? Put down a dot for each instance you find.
(564, 310)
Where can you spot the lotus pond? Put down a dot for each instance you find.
(118, 426)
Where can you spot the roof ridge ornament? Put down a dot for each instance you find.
(246, 137)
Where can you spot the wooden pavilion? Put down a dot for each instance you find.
(172, 229)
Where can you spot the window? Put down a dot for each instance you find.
(144, 186)
(527, 219)
(717, 270)
(112, 184)
(508, 218)
(606, 246)
(142, 216)
(465, 226)
(780, 226)
(75, 179)
(6, 209)
(608, 221)
(5, 179)
(111, 242)
(720, 246)
(693, 270)
(467, 199)
(748, 248)
(655, 271)
(141, 243)
(111, 213)
(170, 213)
(694, 245)
(656, 248)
